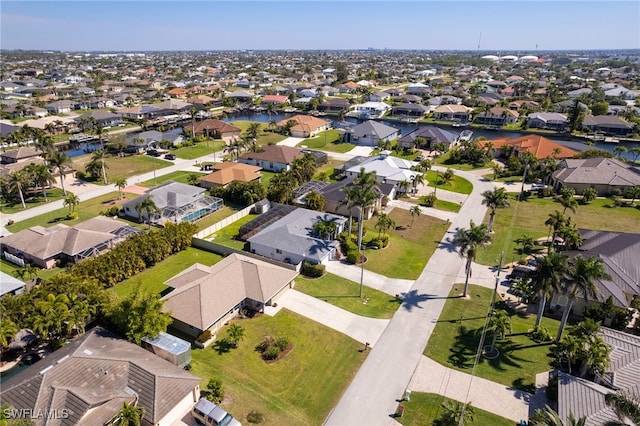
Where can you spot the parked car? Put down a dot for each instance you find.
(153, 153)
(519, 272)
(170, 157)
(536, 186)
(207, 413)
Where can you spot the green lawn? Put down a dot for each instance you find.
(299, 389)
(529, 216)
(329, 140)
(458, 183)
(455, 340)
(177, 176)
(266, 177)
(225, 236)
(86, 210)
(198, 150)
(328, 168)
(264, 137)
(125, 167)
(216, 217)
(32, 199)
(409, 248)
(152, 279)
(344, 293)
(11, 269)
(425, 408)
(441, 161)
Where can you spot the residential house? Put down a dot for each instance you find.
(444, 100)
(275, 100)
(406, 110)
(387, 168)
(240, 95)
(218, 129)
(105, 119)
(418, 89)
(607, 124)
(334, 196)
(579, 397)
(547, 120)
(26, 154)
(371, 110)
(490, 99)
(177, 202)
(292, 239)
(574, 94)
(603, 174)
(151, 139)
(139, 112)
(205, 297)
(539, 146)
(452, 113)
(90, 378)
(200, 100)
(59, 107)
(306, 126)
(173, 106)
(44, 246)
(410, 99)
(371, 133)
(178, 92)
(497, 116)
(10, 285)
(430, 135)
(272, 158)
(335, 105)
(379, 96)
(226, 172)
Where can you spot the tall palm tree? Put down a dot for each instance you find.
(555, 221)
(496, 199)
(148, 207)
(71, 200)
(551, 270)
(60, 161)
(192, 114)
(500, 324)
(121, 183)
(469, 242)
(415, 211)
(626, 407)
(566, 198)
(43, 178)
(418, 179)
(18, 181)
(580, 280)
(129, 415)
(363, 192)
(99, 155)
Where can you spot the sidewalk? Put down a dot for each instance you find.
(391, 286)
(362, 329)
(504, 401)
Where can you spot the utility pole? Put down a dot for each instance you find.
(524, 178)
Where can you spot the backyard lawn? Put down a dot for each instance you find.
(198, 150)
(455, 340)
(86, 210)
(225, 236)
(343, 293)
(125, 167)
(264, 137)
(299, 389)
(409, 248)
(327, 169)
(442, 161)
(177, 176)
(425, 408)
(458, 183)
(152, 279)
(216, 217)
(528, 217)
(265, 178)
(31, 199)
(329, 140)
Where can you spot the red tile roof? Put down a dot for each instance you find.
(537, 145)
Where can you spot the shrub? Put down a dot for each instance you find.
(81, 175)
(271, 353)
(312, 270)
(272, 348)
(428, 200)
(540, 334)
(352, 256)
(111, 211)
(206, 335)
(72, 216)
(216, 393)
(621, 318)
(255, 417)
(281, 343)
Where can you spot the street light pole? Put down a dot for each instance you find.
(524, 178)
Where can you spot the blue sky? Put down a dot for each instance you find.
(515, 26)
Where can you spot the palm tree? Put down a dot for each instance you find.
(626, 407)
(633, 193)
(403, 185)
(384, 223)
(526, 242)
(448, 176)
(71, 200)
(129, 415)
(121, 183)
(555, 221)
(99, 155)
(363, 192)
(456, 413)
(192, 114)
(148, 207)
(418, 179)
(60, 161)
(549, 417)
(42, 177)
(500, 324)
(589, 194)
(8, 330)
(17, 181)
(496, 199)
(547, 278)
(193, 179)
(469, 241)
(235, 334)
(566, 199)
(636, 153)
(253, 130)
(580, 279)
(325, 228)
(415, 212)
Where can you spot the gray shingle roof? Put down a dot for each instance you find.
(370, 127)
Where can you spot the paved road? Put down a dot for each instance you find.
(372, 397)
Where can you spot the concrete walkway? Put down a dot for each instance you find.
(290, 141)
(390, 286)
(359, 328)
(504, 401)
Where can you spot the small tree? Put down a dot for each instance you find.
(71, 200)
(121, 183)
(129, 415)
(415, 212)
(235, 334)
(384, 223)
(216, 392)
(456, 413)
(589, 195)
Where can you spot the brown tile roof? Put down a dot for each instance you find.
(224, 173)
(93, 375)
(215, 126)
(306, 123)
(203, 294)
(200, 99)
(537, 145)
(275, 153)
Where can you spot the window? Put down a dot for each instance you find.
(278, 251)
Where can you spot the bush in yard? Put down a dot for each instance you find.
(540, 334)
(271, 353)
(72, 216)
(216, 393)
(272, 348)
(255, 417)
(281, 343)
(312, 270)
(428, 200)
